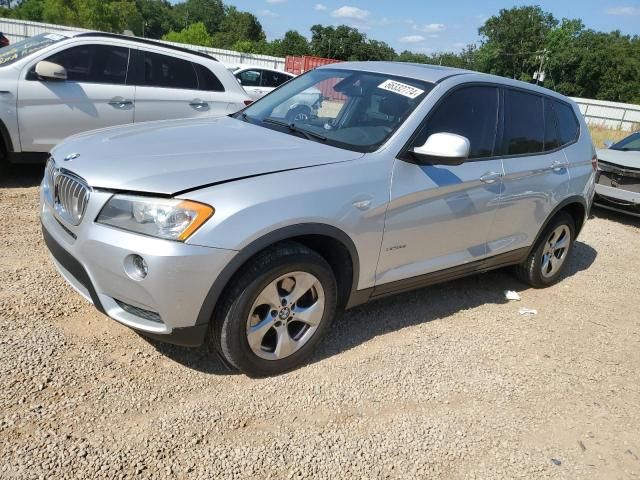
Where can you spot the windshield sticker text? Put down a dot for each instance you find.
(401, 89)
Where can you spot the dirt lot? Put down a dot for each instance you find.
(445, 382)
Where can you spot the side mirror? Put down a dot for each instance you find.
(608, 143)
(443, 149)
(50, 71)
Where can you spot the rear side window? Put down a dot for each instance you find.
(568, 125)
(250, 78)
(94, 63)
(168, 72)
(273, 79)
(551, 135)
(471, 112)
(207, 79)
(524, 127)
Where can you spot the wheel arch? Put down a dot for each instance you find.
(333, 244)
(576, 206)
(6, 146)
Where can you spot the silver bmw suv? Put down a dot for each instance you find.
(252, 232)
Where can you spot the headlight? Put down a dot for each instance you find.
(167, 218)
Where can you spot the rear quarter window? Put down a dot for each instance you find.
(207, 80)
(568, 126)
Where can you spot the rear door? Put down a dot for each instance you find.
(170, 87)
(95, 95)
(535, 166)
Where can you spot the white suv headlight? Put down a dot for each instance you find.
(167, 218)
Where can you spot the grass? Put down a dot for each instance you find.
(601, 134)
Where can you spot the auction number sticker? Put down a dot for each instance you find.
(401, 88)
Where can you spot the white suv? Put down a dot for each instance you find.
(59, 84)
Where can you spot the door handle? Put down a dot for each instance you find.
(120, 102)
(490, 177)
(198, 104)
(557, 166)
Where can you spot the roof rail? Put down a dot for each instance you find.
(147, 42)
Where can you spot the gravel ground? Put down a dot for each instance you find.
(444, 382)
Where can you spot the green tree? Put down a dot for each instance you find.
(109, 16)
(340, 42)
(29, 10)
(237, 26)
(209, 12)
(195, 34)
(513, 40)
(293, 43)
(373, 50)
(158, 17)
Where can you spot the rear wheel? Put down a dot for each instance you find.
(276, 310)
(547, 260)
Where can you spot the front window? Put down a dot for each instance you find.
(21, 49)
(629, 144)
(345, 108)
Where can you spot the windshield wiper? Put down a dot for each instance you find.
(292, 127)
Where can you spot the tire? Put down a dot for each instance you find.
(301, 113)
(556, 242)
(260, 338)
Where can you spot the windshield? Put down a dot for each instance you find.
(629, 144)
(344, 108)
(21, 49)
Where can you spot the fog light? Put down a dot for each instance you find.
(136, 267)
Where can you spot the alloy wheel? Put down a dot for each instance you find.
(555, 251)
(285, 315)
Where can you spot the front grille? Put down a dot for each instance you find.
(139, 312)
(70, 197)
(612, 175)
(66, 192)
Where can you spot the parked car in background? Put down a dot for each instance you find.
(258, 82)
(618, 179)
(259, 229)
(4, 41)
(59, 84)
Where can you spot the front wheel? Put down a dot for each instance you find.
(276, 310)
(547, 260)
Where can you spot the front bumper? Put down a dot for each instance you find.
(166, 304)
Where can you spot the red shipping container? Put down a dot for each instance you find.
(299, 65)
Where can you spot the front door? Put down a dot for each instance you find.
(440, 216)
(95, 95)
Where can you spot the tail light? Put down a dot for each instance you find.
(248, 102)
(594, 162)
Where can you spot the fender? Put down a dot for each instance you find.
(271, 238)
(574, 199)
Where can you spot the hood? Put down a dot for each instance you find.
(174, 156)
(618, 157)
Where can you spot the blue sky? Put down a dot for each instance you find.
(424, 25)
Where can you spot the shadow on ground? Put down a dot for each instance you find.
(394, 313)
(622, 218)
(21, 176)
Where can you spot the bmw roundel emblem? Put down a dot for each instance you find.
(71, 156)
